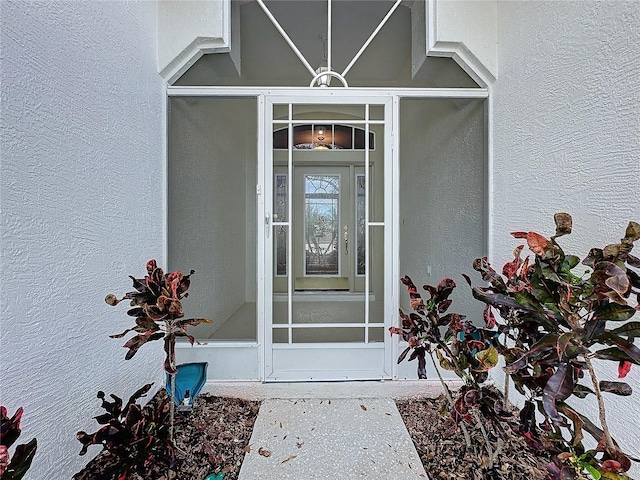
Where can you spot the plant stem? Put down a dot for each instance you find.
(601, 409)
(447, 393)
(505, 394)
(173, 406)
(487, 443)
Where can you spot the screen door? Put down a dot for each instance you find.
(325, 235)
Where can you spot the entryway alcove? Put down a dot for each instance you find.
(301, 206)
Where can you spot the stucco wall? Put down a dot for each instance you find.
(567, 137)
(81, 208)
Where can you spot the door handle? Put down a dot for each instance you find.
(346, 240)
(267, 223)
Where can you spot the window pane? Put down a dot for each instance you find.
(322, 194)
(360, 224)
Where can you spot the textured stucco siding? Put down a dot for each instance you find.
(567, 138)
(81, 208)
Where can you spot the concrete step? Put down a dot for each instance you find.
(339, 438)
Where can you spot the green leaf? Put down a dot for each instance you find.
(549, 273)
(547, 342)
(578, 423)
(570, 261)
(619, 388)
(592, 470)
(528, 301)
(21, 461)
(613, 353)
(445, 362)
(631, 329)
(612, 252)
(581, 391)
(563, 342)
(488, 358)
(623, 344)
(614, 312)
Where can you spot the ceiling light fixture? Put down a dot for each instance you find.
(323, 80)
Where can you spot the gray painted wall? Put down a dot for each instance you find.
(81, 191)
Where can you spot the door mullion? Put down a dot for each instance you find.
(367, 270)
(290, 271)
(264, 268)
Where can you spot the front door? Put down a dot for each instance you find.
(326, 217)
(325, 241)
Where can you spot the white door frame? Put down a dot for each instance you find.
(288, 362)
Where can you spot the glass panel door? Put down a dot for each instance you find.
(321, 225)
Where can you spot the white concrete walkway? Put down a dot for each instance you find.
(338, 439)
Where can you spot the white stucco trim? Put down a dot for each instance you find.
(191, 54)
(173, 69)
(457, 50)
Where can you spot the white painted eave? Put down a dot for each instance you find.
(475, 50)
(189, 29)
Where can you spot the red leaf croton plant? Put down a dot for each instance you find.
(553, 324)
(157, 308)
(16, 466)
(550, 321)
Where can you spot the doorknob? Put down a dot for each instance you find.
(346, 240)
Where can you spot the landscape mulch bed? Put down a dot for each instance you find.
(441, 446)
(215, 435)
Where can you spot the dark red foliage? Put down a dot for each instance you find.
(132, 436)
(16, 466)
(552, 321)
(157, 302)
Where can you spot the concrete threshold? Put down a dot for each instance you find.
(397, 389)
(337, 438)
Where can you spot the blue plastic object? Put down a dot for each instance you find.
(214, 476)
(191, 377)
